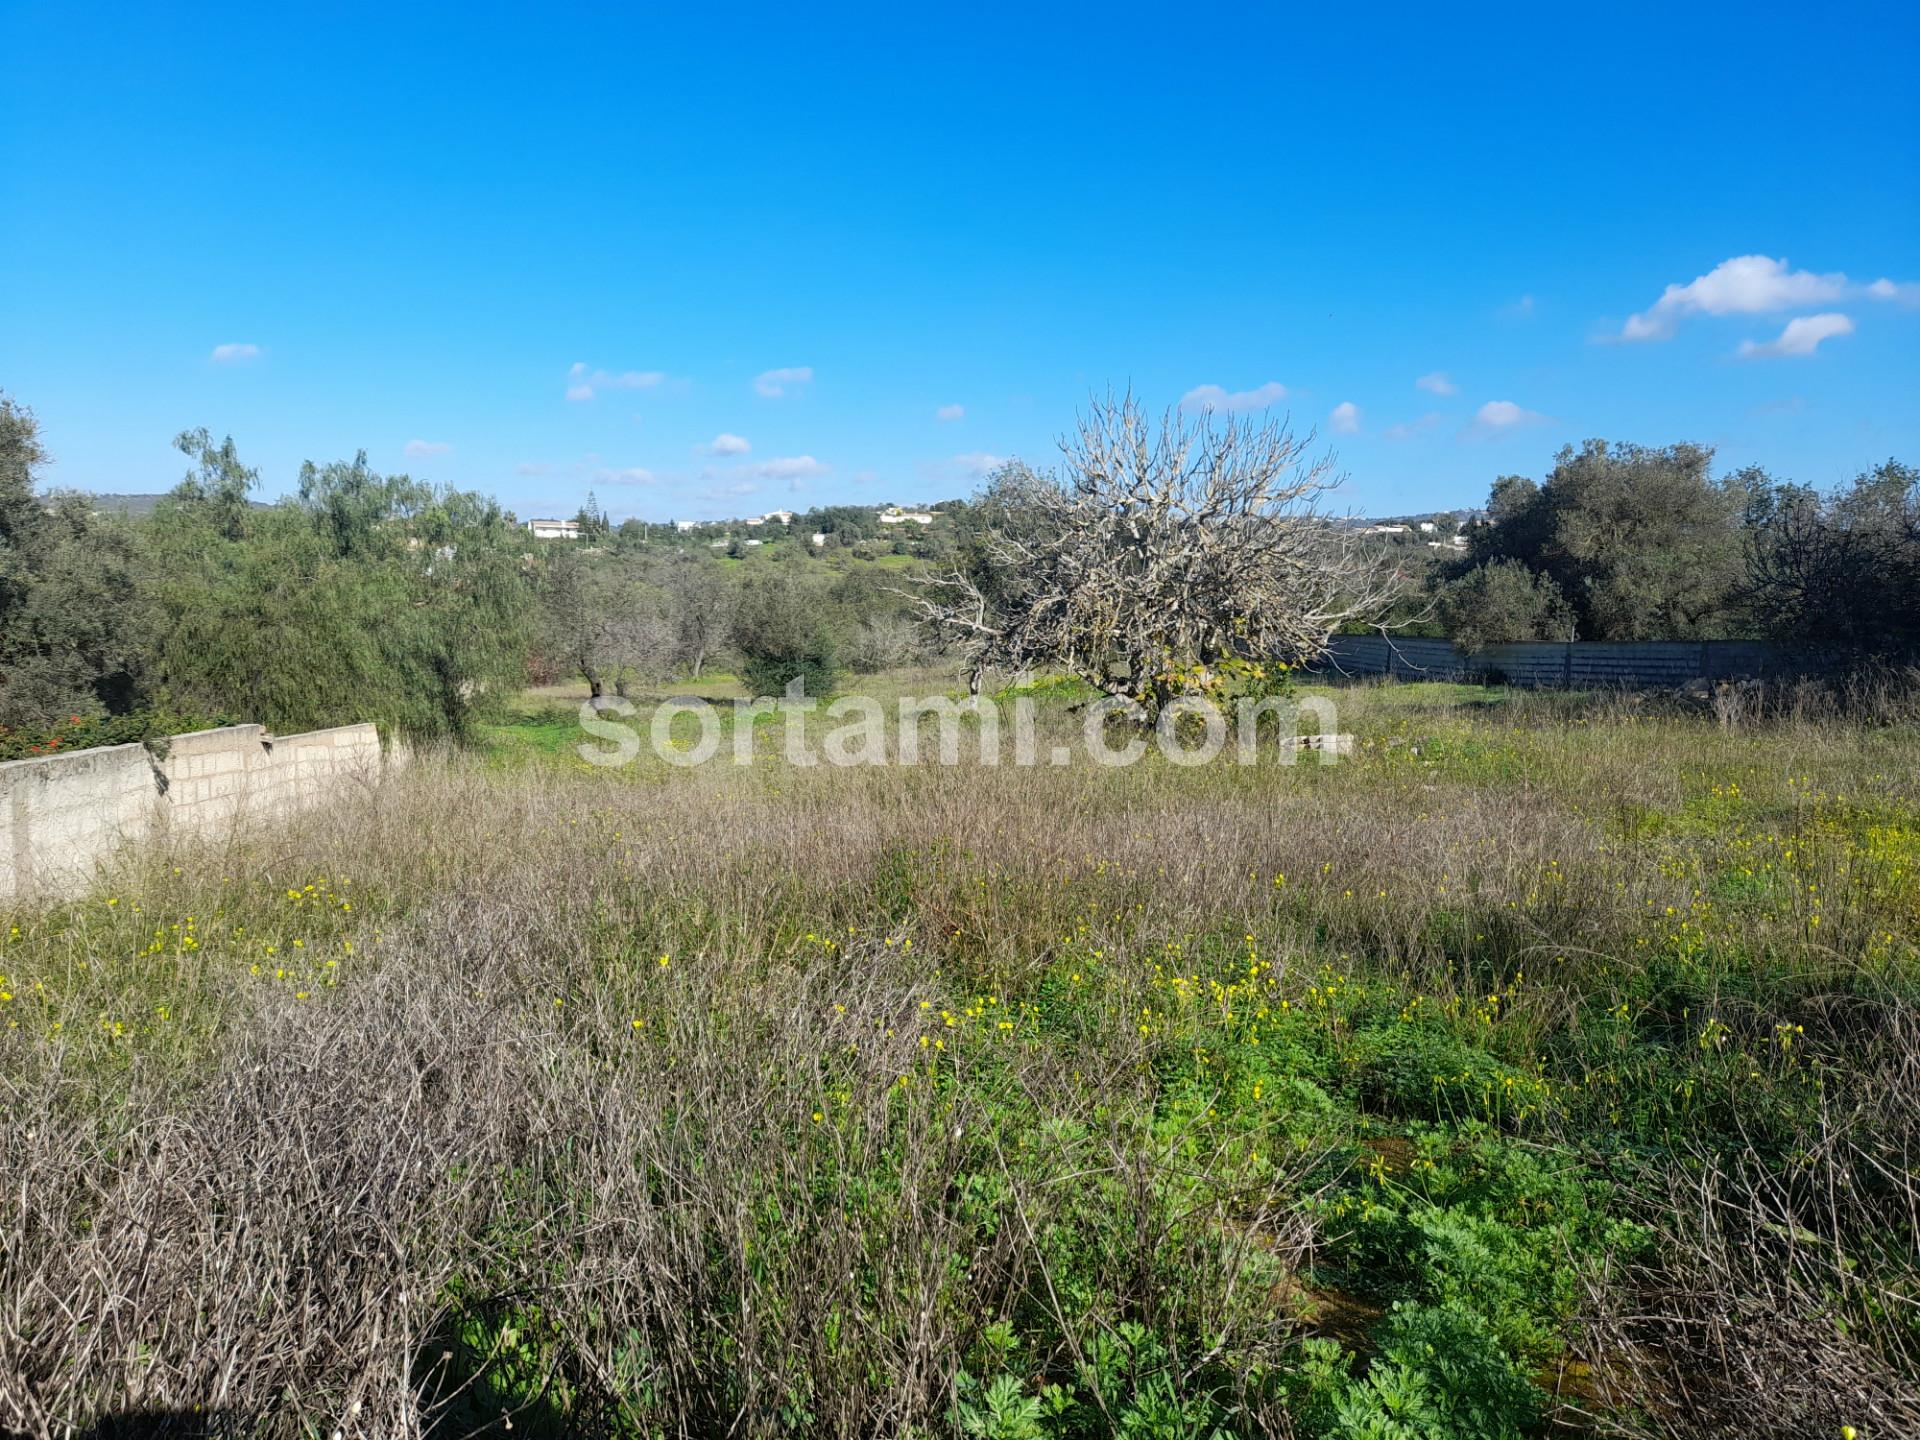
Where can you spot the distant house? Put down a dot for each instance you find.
(777, 517)
(819, 537)
(683, 526)
(1386, 530)
(554, 529)
(754, 520)
(1427, 527)
(894, 515)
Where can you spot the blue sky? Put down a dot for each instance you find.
(330, 228)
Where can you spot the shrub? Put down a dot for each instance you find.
(881, 643)
(1439, 1375)
(1502, 603)
(1415, 1071)
(151, 727)
(781, 639)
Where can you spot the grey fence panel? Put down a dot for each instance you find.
(1528, 663)
(1583, 664)
(1387, 655)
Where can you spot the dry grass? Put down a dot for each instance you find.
(630, 1104)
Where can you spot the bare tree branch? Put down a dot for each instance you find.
(1161, 552)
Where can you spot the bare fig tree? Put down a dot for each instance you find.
(1163, 554)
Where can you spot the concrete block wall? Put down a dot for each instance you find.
(63, 816)
(212, 777)
(60, 815)
(301, 770)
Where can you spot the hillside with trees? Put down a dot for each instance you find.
(1155, 562)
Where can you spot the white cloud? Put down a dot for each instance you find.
(1505, 415)
(1754, 285)
(235, 353)
(584, 383)
(420, 449)
(775, 383)
(726, 444)
(955, 469)
(950, 412)
(1744, 285)
(977, 462)
(1406, 430)
(1908, 294)
(785, 467)
(632, 475)
(1520, 309)
(532, 468)
(1208, 398)
(1437, 383)
(1801, 337)
(1345, 419)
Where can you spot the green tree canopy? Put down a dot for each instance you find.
(1640, 543)
(1840, 571)
(72, 630)
(366, 597)
(1502, 603)
(782, 636)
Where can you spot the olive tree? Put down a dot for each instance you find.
(72, 623)
(780, 629)
(1839, 571)
(604, 620)
(1163, 552)
(1502, 603)
(703, 604)
(1639, 543)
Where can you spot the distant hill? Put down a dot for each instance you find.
(1462, 516)
(110, 502)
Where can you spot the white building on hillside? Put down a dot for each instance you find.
(554, 529)
(894, 515)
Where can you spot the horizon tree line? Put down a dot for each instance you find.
(1164, 558)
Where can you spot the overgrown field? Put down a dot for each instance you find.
(1545, 1067)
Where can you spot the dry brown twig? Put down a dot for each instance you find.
(1163, 547)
